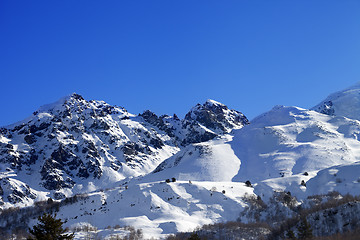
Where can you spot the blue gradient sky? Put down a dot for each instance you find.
(169, 55)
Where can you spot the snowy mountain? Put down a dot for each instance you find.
(164, 174)
(75, 145)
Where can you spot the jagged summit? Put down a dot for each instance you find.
(343, 103)
(211, 102)
(76, 103)
(217, 117)
(49, 109)
(202, 123)
(72, 98)
(71, 106)
(209, 105)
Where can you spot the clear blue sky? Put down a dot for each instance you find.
(169, 55)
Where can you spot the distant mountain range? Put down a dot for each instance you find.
(77, 146)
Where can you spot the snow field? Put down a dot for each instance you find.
(160, 208)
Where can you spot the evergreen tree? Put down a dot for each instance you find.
(49, 228)
(305, 231)
(290, 235)
(194, 236)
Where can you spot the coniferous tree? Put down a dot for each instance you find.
(305, 231)
(290, 235)
(49, 228)
(194, 236)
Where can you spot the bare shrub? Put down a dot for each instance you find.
(255, 207)
(286, 198)
(228, 230)
(350, 235)
(13, 218)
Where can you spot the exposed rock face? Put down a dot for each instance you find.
(74, 140)
(204, 122)
(217, 117)
(326, 108)
(14, 192)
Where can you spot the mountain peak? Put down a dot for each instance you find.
(72, 98)
(211, 102)
(216, 116)
(76, 96)
(209, 105)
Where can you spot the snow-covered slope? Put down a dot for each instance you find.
(291, 140)
(343, 103)
(160, 208)
(344, 179)
(214, 160)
